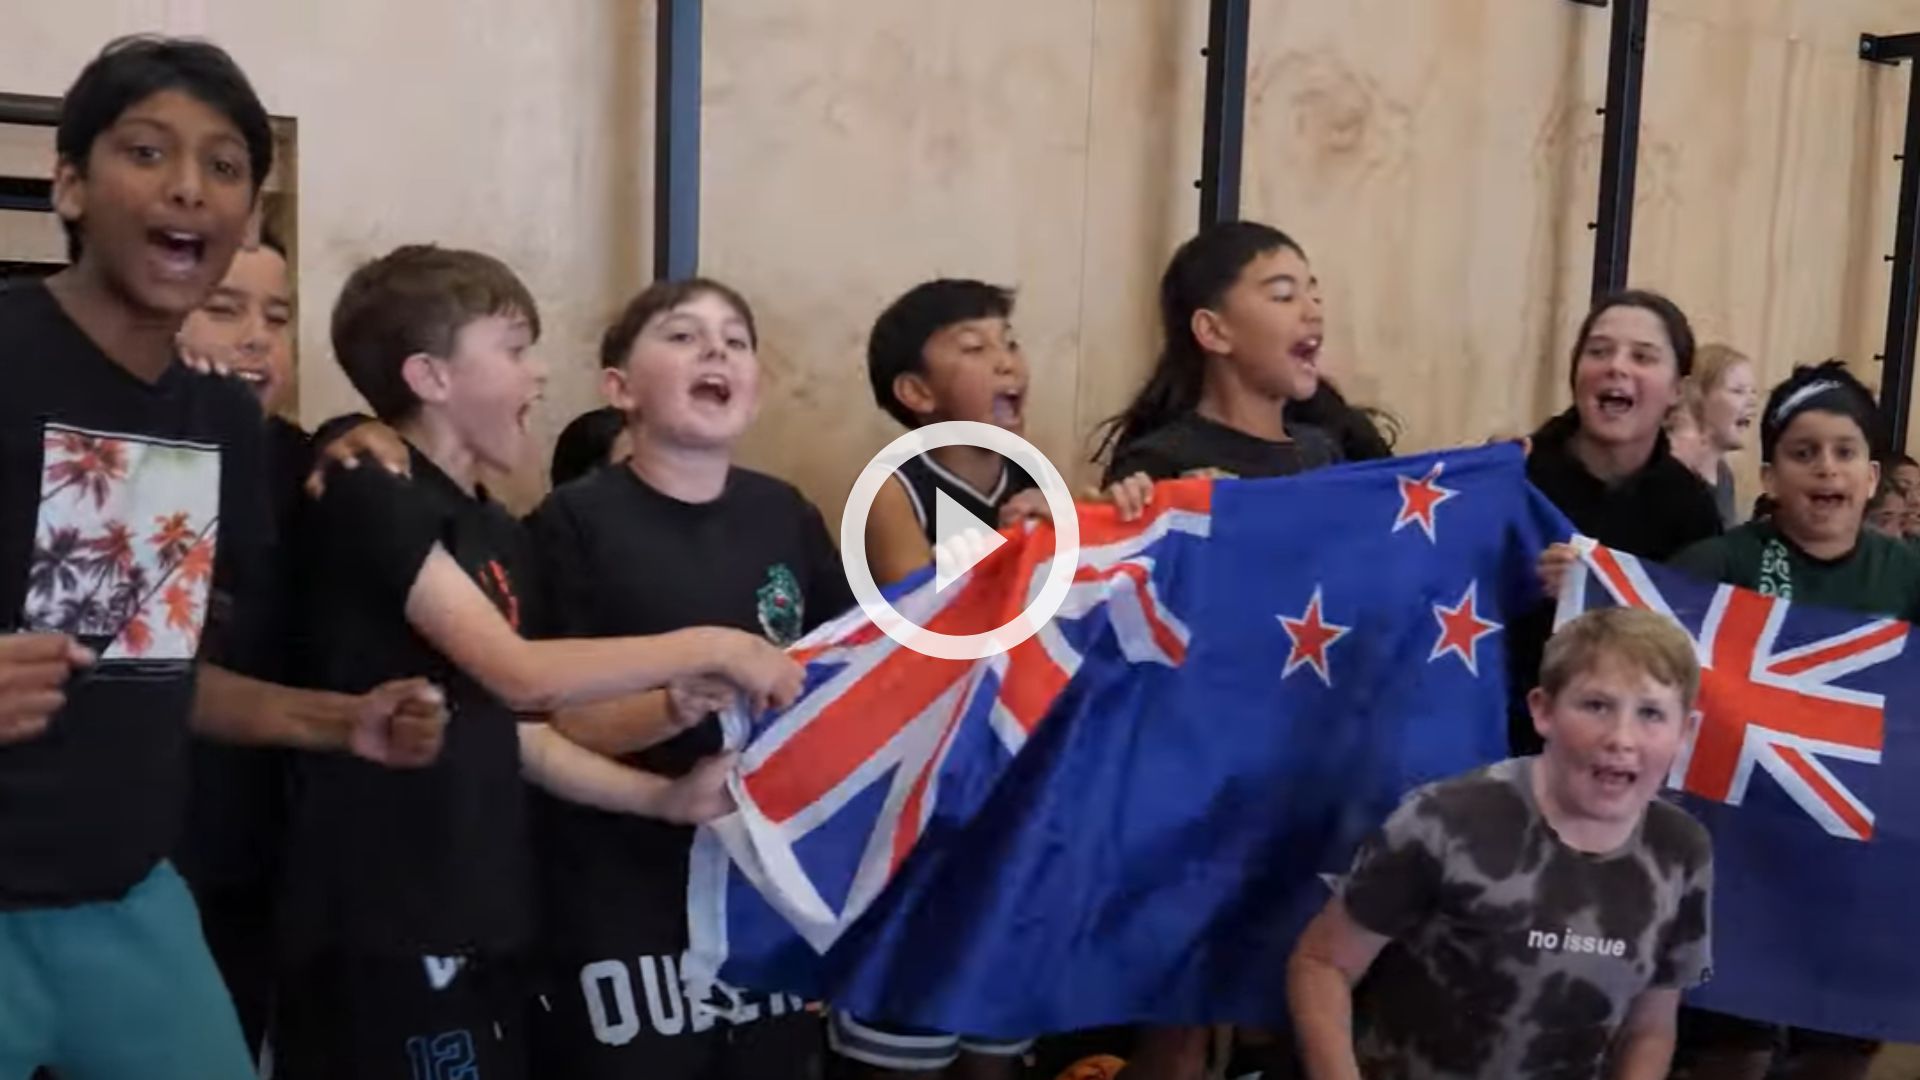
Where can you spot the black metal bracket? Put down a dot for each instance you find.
(1903, 301)
(676, 161)
(31, 109)
(1619, 145)
(1226, 120)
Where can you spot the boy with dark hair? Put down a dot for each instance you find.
(1541, 916)
(677, 535)
(409, 906)
(137, 521)
(1819, 438)
(944, 350)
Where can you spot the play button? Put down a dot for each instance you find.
(962, 541)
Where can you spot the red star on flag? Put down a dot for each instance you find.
(1312, 635)
(1420, 498)
(1461, 629)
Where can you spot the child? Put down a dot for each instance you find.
(1712, 420)
(944, 350)
(1887, 511)
(1243, 324)
(1818, 436)
(236, 811)
(408, 903)
(675, 536)
(136, 525)
(1242, 315)
(1512, 953)
(1606, 462)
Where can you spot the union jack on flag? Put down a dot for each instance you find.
(876, 715)
(1761, 702)
(1805, 769)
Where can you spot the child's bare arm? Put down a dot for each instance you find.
(449, 610)
(896, 544)
(572, 772)
(1644, 1048)
(627, 725)
(1332, 955)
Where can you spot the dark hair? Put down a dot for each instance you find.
(1364, 432)
(272, 242)
(586, 443)
(897, 345)
(1828, 387)
(663, 296)
(1763, 506)
(1679, 330)
(132, 69)
(416, 300)
(1905, 459)
(1198, 276)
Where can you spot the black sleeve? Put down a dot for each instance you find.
(241, 615)
(1141, 459)
(826, 591)
(1396, 877)
(560, 562)
(376, 530)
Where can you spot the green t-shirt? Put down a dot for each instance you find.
(1878, 577)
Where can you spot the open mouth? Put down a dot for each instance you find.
(181, 252)
(253, 377)
(1615, 780)
(712, 388)
(524, 417)
(1743, 422)
(1614, 402)
(1006, 407)
(1827, 501)
(1307, 349)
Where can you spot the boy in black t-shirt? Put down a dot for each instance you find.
(408, 899)
(674, 536)
(135, 518)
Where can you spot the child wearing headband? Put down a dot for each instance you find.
(1819, 438)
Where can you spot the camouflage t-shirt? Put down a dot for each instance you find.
(1515, 955)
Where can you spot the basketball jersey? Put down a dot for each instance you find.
(923, 477)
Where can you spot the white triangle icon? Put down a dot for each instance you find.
(960, 540)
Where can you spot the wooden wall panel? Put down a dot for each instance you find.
(1436, 157)
(854, 149)
(1423, 154)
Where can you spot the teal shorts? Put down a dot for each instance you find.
(120, 990)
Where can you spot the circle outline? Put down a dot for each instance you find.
(1053, 591)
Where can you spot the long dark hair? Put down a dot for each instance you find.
(1364, 432)
(1197, 277)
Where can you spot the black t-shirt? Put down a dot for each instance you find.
(924, 478)
(237, 808)
(620, 558)
(1655, 514)
(135, 517)
(1193, 442)
(407, 861)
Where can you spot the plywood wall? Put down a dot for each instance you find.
(1436, 157)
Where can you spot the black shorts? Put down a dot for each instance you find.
(401, 1018)
(615, 1020)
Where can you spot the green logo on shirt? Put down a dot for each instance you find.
(782, 611)
(1776, 571)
